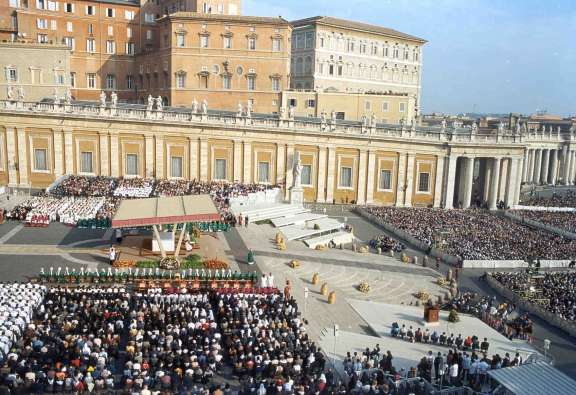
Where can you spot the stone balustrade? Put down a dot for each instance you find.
(187, 115)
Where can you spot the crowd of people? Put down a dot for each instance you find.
(72, 339)
(92, 201)
(555, 291)
(558, 219)
(373, 370)
(476, 234)
(69, 210)
(566, 199)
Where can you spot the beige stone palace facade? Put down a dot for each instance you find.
(443, 166)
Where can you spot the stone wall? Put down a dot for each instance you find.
(540, 225)
(567, 326)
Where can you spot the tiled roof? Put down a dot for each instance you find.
(331, 21)
(226, 18)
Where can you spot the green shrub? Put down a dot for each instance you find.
(453, 316)
(147, 264)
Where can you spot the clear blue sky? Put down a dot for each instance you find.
(482, 55)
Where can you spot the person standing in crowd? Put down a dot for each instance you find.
(112, 255)
(270, 280)
(454, 373)
(287, 290)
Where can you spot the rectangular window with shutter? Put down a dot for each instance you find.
(220, 169)
(40, 162)
(345, 177)
(131, 164)
(385, 182)
(91, 80)
(263, 172)
(176, 167)
(424, 182)
(306, 175)
(86, 165)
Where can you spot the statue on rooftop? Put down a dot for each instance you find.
(194, 106)
(102, 99)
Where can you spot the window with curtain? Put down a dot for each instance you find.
(40, 162)
(176, 167)
(251, 83)
(306, 175)
(131, 164)
(424, 182)
(263, 172)
(385, 182)
(226, 82)
(346, 177)
(220, 169)
(86, 165)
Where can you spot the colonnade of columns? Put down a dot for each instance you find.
(543, 166)
(483, 180)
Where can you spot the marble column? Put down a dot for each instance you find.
(280, 163)
(321, 175)
(149, 156)
(537, 166)
(401, 180)
(114, 156)
(370, 179)
(23, 159)
(68, 151)
(159, 173)
(203, 159)
(58, 154)
(493, 200)
(289, 165)
(530, 175)
(525, 165)
(193, 150)
(468, 182)
(569, 164)
(504, 170)
(12, 156)
(361, 185)
(330, 175)
(554, 167)
(409, 179)
(450, 181)
(572, 167)
(487, 181)
(104, 154)
(563, 165)
(438, 181)
(237, 160)
(545, 163)
(511, 183)
(247, 161)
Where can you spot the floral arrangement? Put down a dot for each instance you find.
(169, 263)
(364, 287)
(215, 264)
(423, 295)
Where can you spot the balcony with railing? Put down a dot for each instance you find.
(155, 112)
